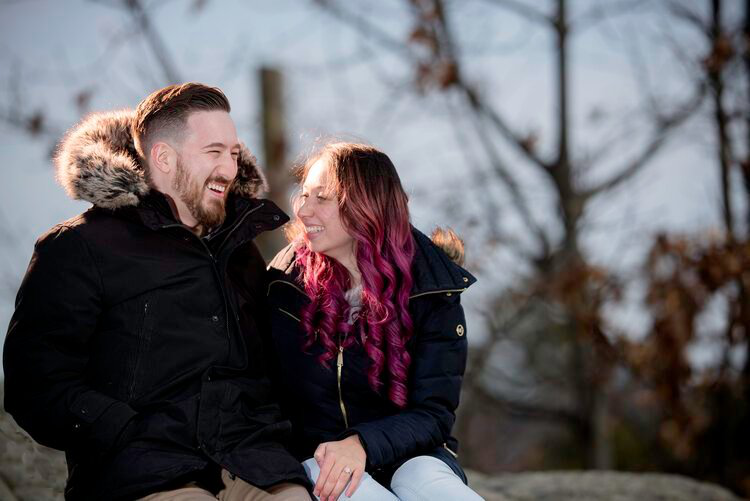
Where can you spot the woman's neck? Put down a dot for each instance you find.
(349, 261)
(355, 277)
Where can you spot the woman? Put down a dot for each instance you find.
(369, 334)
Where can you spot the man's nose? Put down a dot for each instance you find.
(227, 167)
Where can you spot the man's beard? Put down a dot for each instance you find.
(209, 214)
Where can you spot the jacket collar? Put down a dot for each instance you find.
(97, 162)
(245, 218)
(432, 270)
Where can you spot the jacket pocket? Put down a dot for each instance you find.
(290, 315)
(144, 342)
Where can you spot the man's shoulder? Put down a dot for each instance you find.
(80, 227)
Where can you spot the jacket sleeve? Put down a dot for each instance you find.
(47, 350)
(437, 368)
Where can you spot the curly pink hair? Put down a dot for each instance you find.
(374, 210)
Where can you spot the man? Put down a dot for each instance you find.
(134, 346)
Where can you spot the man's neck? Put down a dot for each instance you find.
(198, 229)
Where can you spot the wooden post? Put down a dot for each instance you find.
(274, 154)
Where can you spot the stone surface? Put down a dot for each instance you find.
(30, 472)
(595, 486)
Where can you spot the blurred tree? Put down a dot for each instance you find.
(698, 284)
(551, 321)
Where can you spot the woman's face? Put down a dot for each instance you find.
(318, 210)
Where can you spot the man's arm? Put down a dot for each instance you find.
(47, 350)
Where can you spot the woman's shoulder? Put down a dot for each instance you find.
(284, 260)
(282, 268)
(437, 266)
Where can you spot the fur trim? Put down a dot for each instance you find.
(97, 162)
(450, 243)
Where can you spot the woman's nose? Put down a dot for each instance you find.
(304, 208)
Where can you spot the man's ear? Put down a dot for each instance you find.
(163, 157)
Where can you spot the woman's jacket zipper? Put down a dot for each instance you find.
(340, 356)
(339, 369)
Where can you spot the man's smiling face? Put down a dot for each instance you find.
(206, 168)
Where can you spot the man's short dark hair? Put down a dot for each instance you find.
(164, 113)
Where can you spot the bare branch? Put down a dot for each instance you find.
(154, 40)
(665, 126)
(476, 102)
(679, 10)
(535, 411)
(364, 26)
(34, 124)
(524, 10)
(516, 140)
(510, 183)
(464, 145)
(602, 12)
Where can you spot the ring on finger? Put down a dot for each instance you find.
(347, 470)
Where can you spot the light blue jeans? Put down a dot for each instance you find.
(423, 478)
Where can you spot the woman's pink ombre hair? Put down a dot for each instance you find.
(374, 211)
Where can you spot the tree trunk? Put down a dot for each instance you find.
(274, 154)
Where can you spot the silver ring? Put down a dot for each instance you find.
(347, 470)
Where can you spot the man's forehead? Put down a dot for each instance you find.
(212, 126)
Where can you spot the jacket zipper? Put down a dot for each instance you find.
(237, 225)
(339, 357)
(339, 367)
(213, 259)
(445, 446)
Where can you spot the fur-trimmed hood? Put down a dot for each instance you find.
(97, 162)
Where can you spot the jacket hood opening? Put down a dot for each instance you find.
(97, 162)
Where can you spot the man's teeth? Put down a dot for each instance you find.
(313, 229)
(216, 187)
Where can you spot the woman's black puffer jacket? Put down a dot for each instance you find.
(331, 403)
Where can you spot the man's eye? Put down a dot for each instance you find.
(214, 151)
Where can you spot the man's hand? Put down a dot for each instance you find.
(339, 461)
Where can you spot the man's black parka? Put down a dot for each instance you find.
(134, 346)
(324, 407)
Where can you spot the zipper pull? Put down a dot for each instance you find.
(340, 358)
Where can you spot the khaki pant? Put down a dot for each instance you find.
(235, 489)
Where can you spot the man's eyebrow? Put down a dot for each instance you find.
(222, 145)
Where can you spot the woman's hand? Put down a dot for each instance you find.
(339, 461)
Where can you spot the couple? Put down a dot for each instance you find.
(150, 343)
